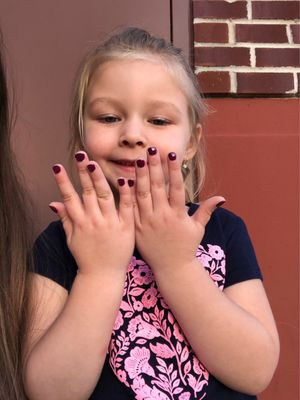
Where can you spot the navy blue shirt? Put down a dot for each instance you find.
(149, 356)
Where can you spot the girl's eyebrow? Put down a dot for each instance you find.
(165, 105)
(103, 100)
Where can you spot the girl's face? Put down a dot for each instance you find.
(130, 106)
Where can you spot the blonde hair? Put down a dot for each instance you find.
(137, 44)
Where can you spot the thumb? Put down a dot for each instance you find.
(206, 208)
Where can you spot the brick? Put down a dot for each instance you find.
(261, 33)
(214, 81)
(211, 33)
(264, 83)
(277, 57)
(219, 9)
(275, 9)
(296, 33)
(298, 76)
(222, 56)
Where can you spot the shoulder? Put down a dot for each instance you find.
(53, 230)
(53, 237)
(52, 257)
(228, 231)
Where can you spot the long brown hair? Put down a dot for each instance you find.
(15, 246)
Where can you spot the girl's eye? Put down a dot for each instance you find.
(108, 119)
(159, 121)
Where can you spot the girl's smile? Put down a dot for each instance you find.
(126, 166)
(132, 105)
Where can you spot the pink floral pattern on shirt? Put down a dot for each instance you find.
(148, 351)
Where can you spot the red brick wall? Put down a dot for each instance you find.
(247, 47)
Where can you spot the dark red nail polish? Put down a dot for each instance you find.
(152, 151)
(54, 209)
(220, 203)
(140, 163)
(121, 181)
(79, 157)
(56, 169)
(172, 156)
(130, 182)
(91, 167)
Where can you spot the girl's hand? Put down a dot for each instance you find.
(166, 236)
(99, 235)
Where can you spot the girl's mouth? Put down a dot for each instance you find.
(125, 163)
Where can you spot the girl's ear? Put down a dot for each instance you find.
(193, 143)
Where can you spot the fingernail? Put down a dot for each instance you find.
(91, 167)
(152, 151)
(79, 157)
(140, 163)
(172, 156)
(220, 203)
(54, 209)
(121, 181)
(56, 169)
(130, 182)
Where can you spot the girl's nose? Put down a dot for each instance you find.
(132, 135)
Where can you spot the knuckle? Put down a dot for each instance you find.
(64, 219)
(82, 170)
(154, 161)
(143, 194)
(159, 184)
(88, 190)
(127, 204)
(209, 212)
(177, 186)
(105, 195)
(67, 197)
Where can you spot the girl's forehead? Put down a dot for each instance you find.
(138, 64)
(147, 70)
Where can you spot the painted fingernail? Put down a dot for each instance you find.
(140, 163)
(91, 167)
(220, 203)
(79, 157)
(152, 151)
(56, 169)
(130, 182)
(172, 156)
(121, 181)
(54, 209)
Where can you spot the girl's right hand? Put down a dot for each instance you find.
(99, 235)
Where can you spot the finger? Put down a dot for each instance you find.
(104, 195)
(60, 210)
(88, 191)
(136, 213)
(142, 189)
(71, 200)
(176, 183)
(206, 208)
(157, 179)
(125, 202)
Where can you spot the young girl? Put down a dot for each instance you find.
(140, 295)
(15, 247)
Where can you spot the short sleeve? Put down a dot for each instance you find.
(228, 231)
(241, 261)
(52, 258)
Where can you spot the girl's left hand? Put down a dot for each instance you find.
(166, 236)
